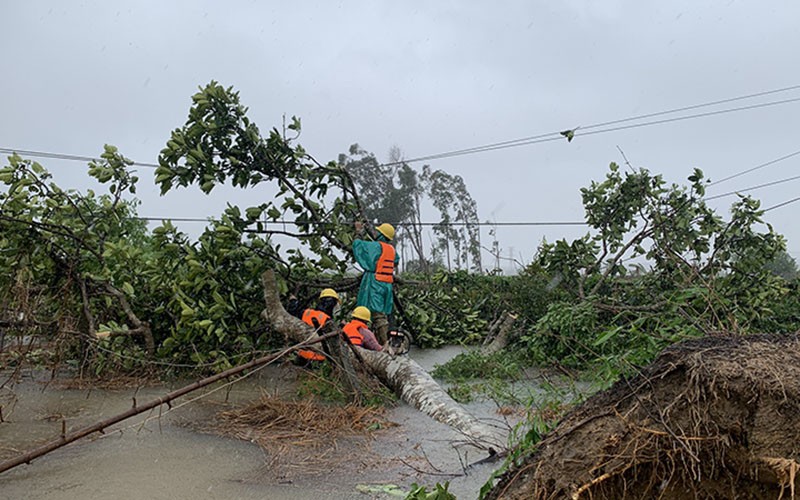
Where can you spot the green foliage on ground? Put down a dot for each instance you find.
(458, 307)
(544, 412)
(439, 492)
(473, 365)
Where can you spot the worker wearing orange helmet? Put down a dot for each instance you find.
(378, 260)
(358, 332)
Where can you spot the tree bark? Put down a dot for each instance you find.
(401, 374)
(498, 334)
(336, 348)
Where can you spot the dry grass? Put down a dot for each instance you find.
(304, 437)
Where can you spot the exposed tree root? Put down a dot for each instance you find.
(710, 418)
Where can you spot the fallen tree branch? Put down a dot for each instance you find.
(139, 327)
(498, 334)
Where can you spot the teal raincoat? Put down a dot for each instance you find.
(373, 294)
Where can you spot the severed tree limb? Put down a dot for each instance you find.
(139, 327)
(402, 374)
(498, 334)
(335, 346)
(65, 438)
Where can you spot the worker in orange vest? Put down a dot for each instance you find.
(378, 260)
(358, 332)
(317, 318)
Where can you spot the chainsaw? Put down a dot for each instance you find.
(399, 342)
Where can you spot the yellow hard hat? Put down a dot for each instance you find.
(362, 313)
(387, 230)
(329, 292)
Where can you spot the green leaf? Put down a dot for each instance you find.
(253, 213)
(605, 337)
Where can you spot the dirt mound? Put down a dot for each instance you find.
(717, 417)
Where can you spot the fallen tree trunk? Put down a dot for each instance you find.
(65, 438)
(402, 374)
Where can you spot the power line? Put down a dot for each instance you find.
(452, 224)
(698, 115)
(753, 188)
(696, 106)
(520, 223)
(558, 135)
(779, 205)
(771, 162)
(399, 224)
(547, 137)
(63, 156)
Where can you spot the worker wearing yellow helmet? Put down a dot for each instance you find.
(358, 332)
(317, 318)
(378, 260)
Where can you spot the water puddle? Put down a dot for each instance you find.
(166, 458)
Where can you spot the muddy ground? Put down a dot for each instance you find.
(179, 456)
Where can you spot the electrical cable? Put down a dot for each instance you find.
(771, 162)
(752, 188)
(64, 156)
(400, 224)
(546, 138)
(779, 205)
(529, 223)
(557, 135)
(492, 224)
(614, 122)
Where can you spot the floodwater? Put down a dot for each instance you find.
(167, 458)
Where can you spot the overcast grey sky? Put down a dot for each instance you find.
(425, 76)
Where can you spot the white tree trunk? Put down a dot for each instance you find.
(498, 334)
(400, 373)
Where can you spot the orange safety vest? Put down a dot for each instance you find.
(384, 268)
(308, 318)
(351, 330)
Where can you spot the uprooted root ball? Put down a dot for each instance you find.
(717, 417)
